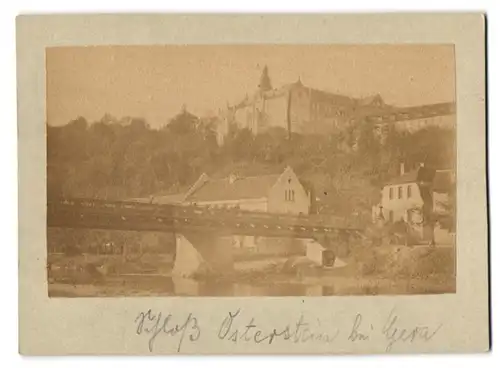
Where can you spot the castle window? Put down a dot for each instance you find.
(391, 216)
(400, 192)
(408, 191)
(391, 193)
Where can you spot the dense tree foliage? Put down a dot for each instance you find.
(126, 158)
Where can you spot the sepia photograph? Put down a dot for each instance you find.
(252, 184)
(251, 170)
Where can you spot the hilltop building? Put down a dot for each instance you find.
(294, 107)
(412, 119)
(305, 110)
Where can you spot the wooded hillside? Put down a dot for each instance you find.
(120, 159)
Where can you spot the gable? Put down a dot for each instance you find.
(289, 179)
(422, 174)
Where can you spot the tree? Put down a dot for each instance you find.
(183, 123)
(126, 158)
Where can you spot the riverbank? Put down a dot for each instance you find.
(366, 271)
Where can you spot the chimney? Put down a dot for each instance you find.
(402, 168)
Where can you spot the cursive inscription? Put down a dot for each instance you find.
(236, 328)
(155, 324)
(356, 333)
(395, 333)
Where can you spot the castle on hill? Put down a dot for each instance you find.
(301, 109)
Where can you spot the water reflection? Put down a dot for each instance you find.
(158, 285)
(163, 285)
(189, 287)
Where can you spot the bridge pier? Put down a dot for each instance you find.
(201, 254)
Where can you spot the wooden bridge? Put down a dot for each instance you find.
(133, 216)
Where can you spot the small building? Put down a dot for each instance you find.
(276, 193)
(416, 197)
(282, 193)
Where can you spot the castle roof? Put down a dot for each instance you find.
(394, 114)
(330, 97)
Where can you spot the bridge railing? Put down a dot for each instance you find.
(194, 212)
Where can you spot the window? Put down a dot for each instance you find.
(290, 195)
(400, 192)
(391, 194)
(408, 191)
(391, 216)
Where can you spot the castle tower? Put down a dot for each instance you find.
(265, 81)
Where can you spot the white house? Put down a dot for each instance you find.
(413, 197)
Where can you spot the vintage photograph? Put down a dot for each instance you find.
(251, 170)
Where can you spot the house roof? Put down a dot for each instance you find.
(441, 180)
(422, 174)
(242, 188)
(409, 177)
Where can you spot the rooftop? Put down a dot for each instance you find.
(252, 187)
(393, 114)
(375, 100)
(441, 180)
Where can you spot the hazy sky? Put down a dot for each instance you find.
(154, 82)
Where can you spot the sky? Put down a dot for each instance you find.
(154, 82)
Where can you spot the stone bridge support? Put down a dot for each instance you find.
(201, 254)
